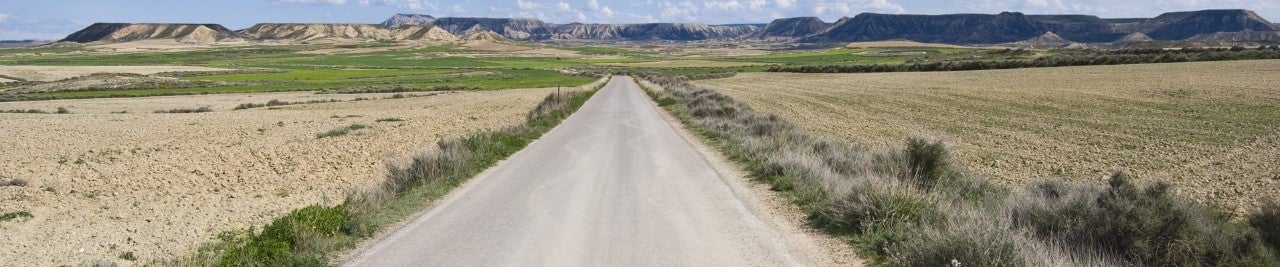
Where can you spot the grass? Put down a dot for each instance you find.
(389, 120)
(341, 131)
(187, 110)
(9, 216)
(308, 236)
(910, 205)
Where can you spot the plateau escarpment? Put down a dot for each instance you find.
(124, 32)
(1207, 26)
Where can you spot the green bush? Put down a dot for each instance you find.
(1267, 223)
(297, 239)
(1147, 226)
(926, 161)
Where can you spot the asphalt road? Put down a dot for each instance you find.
(615, 184)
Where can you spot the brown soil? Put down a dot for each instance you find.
(160, 185)
(1212, 129)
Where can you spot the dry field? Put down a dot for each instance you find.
(1212, 129)
(54, 73)
(159, 185)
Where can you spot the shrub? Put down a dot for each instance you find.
(31, 111)
(389, 120)
(187, 110)
(341, 131)
(63, 110)
(15, 215)
(128, 255)
(1267, 222)
(926, 161)
(1142, 226)
(14, 182)
(295, 239)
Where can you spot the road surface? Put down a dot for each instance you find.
(614, 184)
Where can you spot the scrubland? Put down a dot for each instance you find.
(1209, 128)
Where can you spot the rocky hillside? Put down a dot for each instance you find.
(1183, 25)
(511, 28)
(649, 32)
(951, 29)
(125, 32)
(408, 19)
(1207, 26)
(356, 32)
(793, 28)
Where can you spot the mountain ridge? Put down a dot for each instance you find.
(1207, 26)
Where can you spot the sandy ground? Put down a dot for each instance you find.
(160, 185)
(54, 73)
(1212, 129)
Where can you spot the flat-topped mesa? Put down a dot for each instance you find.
(951, 29)
(510, 28)
(1206, 26)
(1184, 25)
(125, 32)
(353, 32)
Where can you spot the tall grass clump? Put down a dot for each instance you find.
(1267, 222)
(910, 205)
(308, 236)
(1138, 225)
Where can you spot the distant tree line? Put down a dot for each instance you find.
(1068, 58)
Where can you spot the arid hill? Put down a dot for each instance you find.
(355, 32)
(1207, 26)
(124, 32)
(408, 19)
(793, 28)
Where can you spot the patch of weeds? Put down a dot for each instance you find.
(187, 110)
(128, 255)
(14, 182)
(15, 216)
(389, 120)
(341, 131)
(62, 110)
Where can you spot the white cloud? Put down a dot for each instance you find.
(593, 4)
(564, 6)
(852, 7)
(784, 3)
(526, 5)
(606, 12)
(4, 17)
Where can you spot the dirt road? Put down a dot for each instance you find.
(615, 184)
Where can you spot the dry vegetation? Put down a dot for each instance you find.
(54, 73)
(1211, 128)
(100, 184)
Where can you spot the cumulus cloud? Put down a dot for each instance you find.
(4, 17)
(407, 4)
(784, 3)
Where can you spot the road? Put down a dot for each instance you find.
(614, 184)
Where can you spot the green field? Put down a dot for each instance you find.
(373, 65)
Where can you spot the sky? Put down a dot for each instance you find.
(54, 19)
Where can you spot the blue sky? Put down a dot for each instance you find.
(53, 19)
